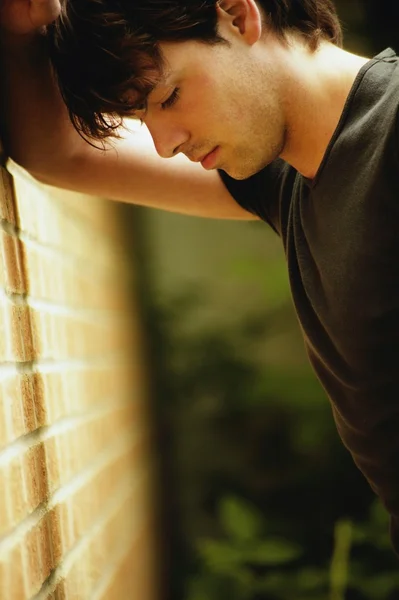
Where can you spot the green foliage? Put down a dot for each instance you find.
(375, 531)
(233, 558)
(221, 409)
(375, 586)
(341, 558)
(241, 521)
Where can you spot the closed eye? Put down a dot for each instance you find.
(171, 100)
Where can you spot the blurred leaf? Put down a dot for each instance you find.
(288, 586)
(379, 515)
(208, 586)
(376, 586)
(278, 583)
(312, 579)
(275, 551)
(240, 520)
(199, 589)
(224, 561)
(220, 557)
(376, 531)
(339, 569)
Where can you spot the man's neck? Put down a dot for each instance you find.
(319, 85)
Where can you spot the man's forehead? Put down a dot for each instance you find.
(164, 75)
(161, 81)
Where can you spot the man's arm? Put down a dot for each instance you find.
(40, 137)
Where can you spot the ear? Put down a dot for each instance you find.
(244, 16)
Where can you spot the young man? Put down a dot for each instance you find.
(289, 128)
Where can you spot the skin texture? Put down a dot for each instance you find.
(263, 98)
(24, 17)
(227, 105)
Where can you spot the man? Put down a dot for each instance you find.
(289, 128)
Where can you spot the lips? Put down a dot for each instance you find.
(203, 157)
(209, 160)
(199, 159)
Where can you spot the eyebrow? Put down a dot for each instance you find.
(161, 81)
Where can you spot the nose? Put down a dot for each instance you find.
(168, 137)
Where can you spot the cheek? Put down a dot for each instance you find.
(203, 101)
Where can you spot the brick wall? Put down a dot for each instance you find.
(76, 509)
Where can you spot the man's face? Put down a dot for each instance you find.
(219, 97)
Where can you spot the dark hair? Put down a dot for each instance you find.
(106, 56)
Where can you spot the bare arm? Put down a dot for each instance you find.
(40, 137)
(133, 172)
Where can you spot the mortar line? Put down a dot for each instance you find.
(109, 455)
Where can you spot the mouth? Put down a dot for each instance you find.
(208, 161)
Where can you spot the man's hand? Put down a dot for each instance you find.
(25, 17)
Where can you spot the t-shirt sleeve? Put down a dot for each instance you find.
(260, 193)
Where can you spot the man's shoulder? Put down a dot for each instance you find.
(382, 81)
(371, 114)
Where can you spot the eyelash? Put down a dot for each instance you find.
(171, 100)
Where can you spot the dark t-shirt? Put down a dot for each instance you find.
(341, 237)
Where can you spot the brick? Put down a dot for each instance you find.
(12, 422)
(75, 448)
(30, 478)
(123, 584)
(60, 593)
(4, 510)
(12, 574)
(31, 389)
(79, 510)
(61, 336)
(2, 278)
(6, 351)
(27, 480)
(135, 575)
(23, 483)
(75, 489)
(35, 476)
(20, 330)
(12, 480)
(37, 549)
(72, 282)
(7, 199)
(52, 218)
(15, 332)
(96, 213)
(95, 553)
(41, 549)
(29, 560)
(76, 390)
(27, 333)
(22, 406)
(13, 264)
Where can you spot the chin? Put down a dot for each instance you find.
(243, 165)
(242, 173)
